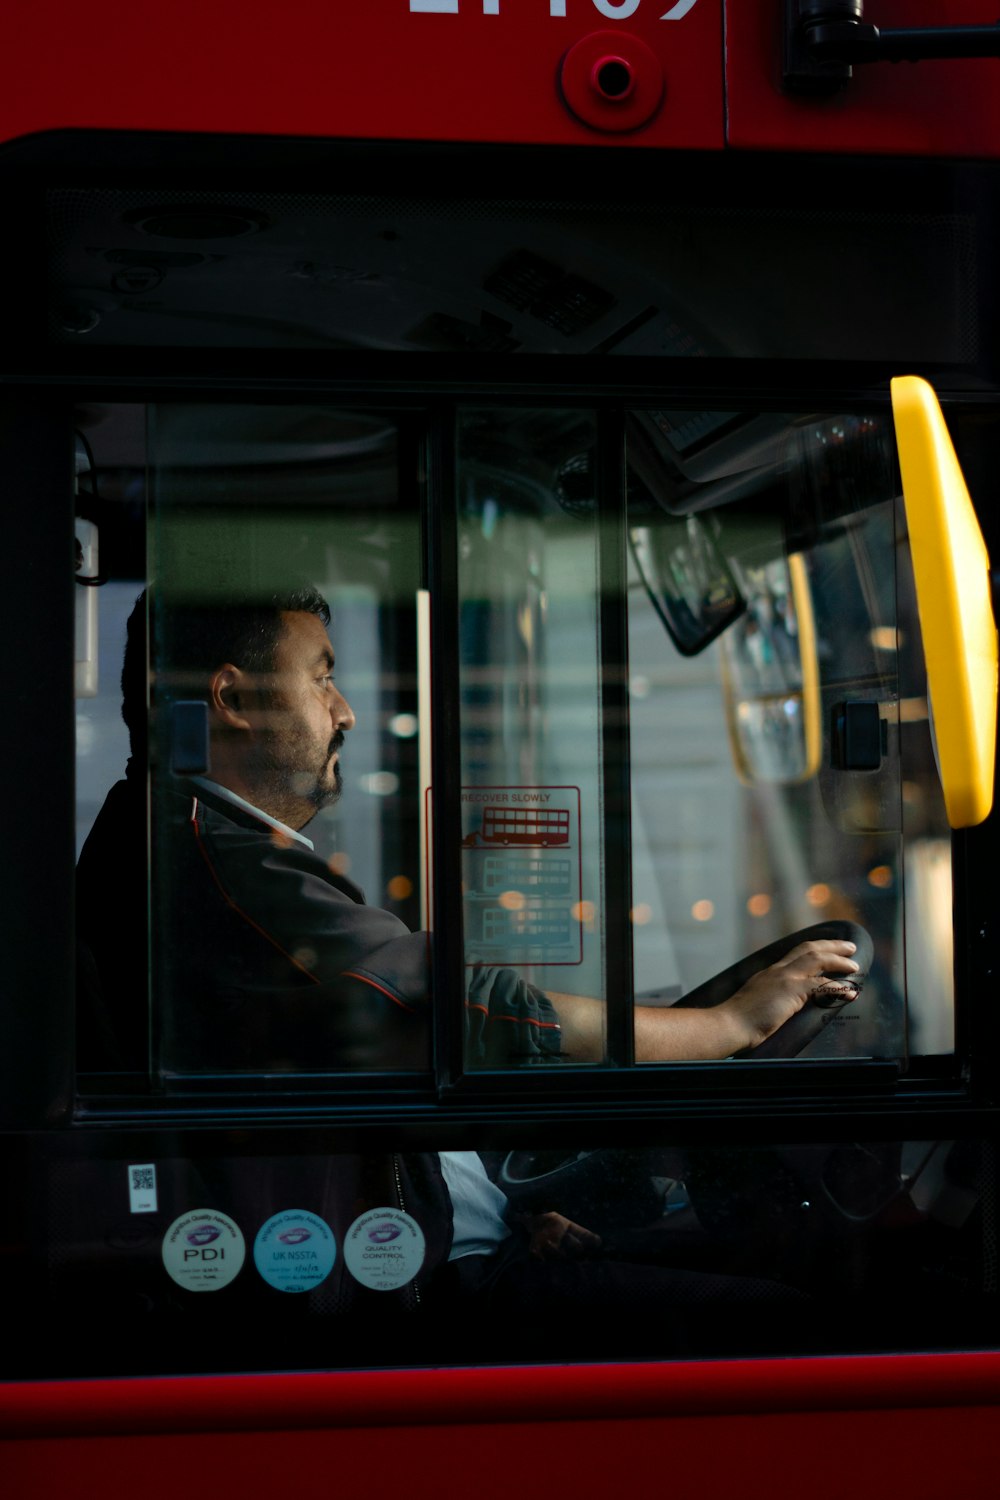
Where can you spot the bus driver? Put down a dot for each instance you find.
(268, 958)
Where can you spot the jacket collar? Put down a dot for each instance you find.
(226, 801)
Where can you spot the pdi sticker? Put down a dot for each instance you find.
(384, 1249)
(294, 1251)
(203, 1250)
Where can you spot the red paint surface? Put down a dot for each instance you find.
(357, 68)
(452, 1396)
(922, 1426)
(928, 108)
(372, 69)
(924, 1456)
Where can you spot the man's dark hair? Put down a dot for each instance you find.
(189, 639)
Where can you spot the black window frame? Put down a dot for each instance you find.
(585, 1090)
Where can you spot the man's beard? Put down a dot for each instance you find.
(324, 792)
(280, 762)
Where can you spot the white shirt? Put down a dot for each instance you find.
(477, 1204)
(238, 801)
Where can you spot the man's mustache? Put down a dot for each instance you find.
(335, 744)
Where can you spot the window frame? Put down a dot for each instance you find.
(580, 1092)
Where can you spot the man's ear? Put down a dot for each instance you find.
(227, 689)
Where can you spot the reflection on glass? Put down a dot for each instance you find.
(749, 821)
(688, 582)
(281, 782)
(770, 675)
(531, 745)
(732, 1248)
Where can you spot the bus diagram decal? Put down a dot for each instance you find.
(539, 828)
(522, 874)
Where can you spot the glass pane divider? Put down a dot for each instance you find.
(445, 828)
(615, 778)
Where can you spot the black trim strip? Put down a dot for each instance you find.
(441, 548)
(616, 861)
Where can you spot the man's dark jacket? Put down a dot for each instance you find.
(263, 958)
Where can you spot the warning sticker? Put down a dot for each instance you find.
(522, 874)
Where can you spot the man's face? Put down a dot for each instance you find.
(304, 722)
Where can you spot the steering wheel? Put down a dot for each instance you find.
(582, 1177)
(802, 1028)
(603, 1188)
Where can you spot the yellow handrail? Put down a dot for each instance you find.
(951, 571)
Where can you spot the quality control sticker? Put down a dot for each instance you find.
(203, 1250)
(384, 1249)
(294, 1251)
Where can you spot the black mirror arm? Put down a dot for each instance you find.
(825, 39)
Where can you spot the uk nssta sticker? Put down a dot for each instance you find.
(203, 1250)
(295, 1250)
(384, 1249)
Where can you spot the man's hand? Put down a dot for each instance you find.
(775, 994)
(556, 1238)
(747, 1018)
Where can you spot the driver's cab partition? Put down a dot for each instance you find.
(671, 709)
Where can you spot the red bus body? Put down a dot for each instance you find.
(383, 71)
(476, 72)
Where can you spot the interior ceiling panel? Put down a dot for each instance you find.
(287, 271)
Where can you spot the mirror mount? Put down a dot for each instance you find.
(824, 40)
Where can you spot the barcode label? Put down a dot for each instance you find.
(142, 1189)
